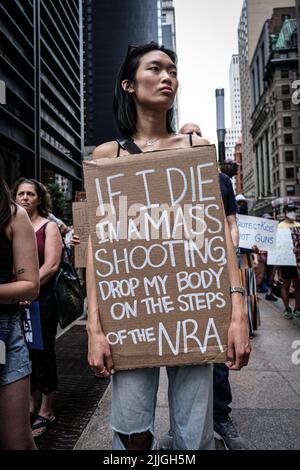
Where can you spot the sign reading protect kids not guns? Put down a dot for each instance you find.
(157, 228)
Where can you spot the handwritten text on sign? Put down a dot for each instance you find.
(159, 255)
(284, 254)
(257, 231)
(81, 228)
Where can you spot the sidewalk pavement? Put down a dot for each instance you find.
(266, 393)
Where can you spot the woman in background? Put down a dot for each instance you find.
(35, 199)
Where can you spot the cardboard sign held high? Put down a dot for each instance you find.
(81, 228)
(157, 228)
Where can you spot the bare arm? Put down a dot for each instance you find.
(238, 334)
(231, 219)
(99, 355)
(52, 254)
(26, 286)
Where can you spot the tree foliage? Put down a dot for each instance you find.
(59, 203)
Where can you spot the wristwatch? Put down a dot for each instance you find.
(240, 290)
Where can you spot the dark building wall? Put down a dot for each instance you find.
(40, 63)
(115, 24)
(17, 71)
(298, 28)
(167, 38)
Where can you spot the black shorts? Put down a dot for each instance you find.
(289, 272)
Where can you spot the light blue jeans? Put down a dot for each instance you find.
(190, 394)
(17, 357)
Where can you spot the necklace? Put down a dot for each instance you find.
(151, 142)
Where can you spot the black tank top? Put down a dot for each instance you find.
(6, 259)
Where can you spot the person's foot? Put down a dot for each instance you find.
(41, 425)
(288, 313)
(296, 313)
(271, 297)
(227, 432)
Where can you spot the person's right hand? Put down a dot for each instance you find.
(99, 355)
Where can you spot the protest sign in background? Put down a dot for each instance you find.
(284, 254)
(257, 231)
(295, 232)
(81, 228)
(157, 228)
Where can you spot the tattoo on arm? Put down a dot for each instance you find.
(21, 271)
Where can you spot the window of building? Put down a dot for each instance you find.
(289, 173)
(284, 73)
(285, 89)
(290, 190)
(254, 87)
(287, 121)
(288, 138)
(289, 155)
(286, 104)
(258, 77)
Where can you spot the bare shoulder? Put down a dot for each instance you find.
(19, 216)
(200, 140)
(107, 150)
(183, 140)
(51, 227)
(19, 222)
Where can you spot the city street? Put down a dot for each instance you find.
(266, 394)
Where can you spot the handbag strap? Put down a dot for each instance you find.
(129, 145)
(69, 259)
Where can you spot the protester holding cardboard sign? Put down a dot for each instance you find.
(144, 95)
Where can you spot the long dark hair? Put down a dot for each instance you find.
(7, 206)
(44, 206)
(123, 103)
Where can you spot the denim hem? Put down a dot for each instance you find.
(15, 375)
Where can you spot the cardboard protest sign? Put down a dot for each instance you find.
(157, 229)
(284, 254)
(81, 228)
(257, 231)
(296, 243)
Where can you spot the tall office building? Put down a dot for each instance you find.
(234, 132)
(275, 117)
(110, 26)
(168, 24)
(235, 96)
(41, 124)
(231, 137)
(254, 14)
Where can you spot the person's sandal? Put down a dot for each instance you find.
(44, 424)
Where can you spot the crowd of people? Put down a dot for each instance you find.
(30, 254)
